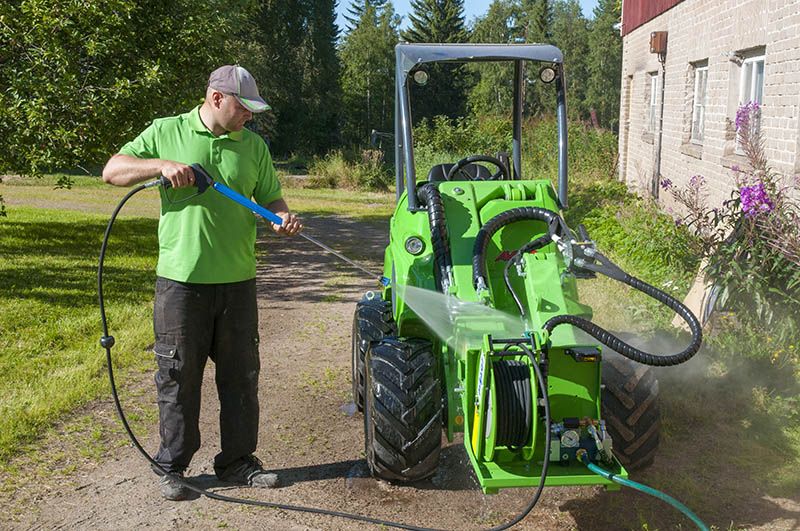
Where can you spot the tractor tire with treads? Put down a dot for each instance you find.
(372, 321)
(402, 410)
(630, 409)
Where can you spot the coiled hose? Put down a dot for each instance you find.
(514, 403)
(428, 194)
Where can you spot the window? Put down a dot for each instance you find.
(652, 125)
(751, 88)
(699, 102)
(751, 82)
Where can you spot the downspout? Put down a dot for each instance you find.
(654, 185)
(658, 45)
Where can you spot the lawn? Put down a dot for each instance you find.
(50, 358)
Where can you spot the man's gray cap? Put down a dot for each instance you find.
(235, 80)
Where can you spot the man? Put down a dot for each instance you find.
(205, 301)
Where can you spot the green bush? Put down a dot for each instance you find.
(591, 152)
(336, 170)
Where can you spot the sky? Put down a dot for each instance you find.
(472, 9)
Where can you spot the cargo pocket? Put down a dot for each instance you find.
(168, 374)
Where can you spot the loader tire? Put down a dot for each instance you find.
(372, 321)
(402, 410)
(630, 409)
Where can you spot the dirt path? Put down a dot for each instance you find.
(311, 438)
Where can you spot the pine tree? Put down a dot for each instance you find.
(321, 91)
(290, 49)
(438, 21)
(357, 8)
(492, 92)
(539, 20)
(605, 64)
(538, 17)
(570, 31)
(367, 74)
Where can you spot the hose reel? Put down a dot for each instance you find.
(506, 410)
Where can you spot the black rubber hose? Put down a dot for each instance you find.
(514, 408)
(608, 339)
(429, 196)
(554, 224)
(107, 342)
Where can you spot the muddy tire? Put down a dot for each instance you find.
(402, 410)
(372, 321)
(630, 409)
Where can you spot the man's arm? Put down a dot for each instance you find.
(291, 224)
(125, 170)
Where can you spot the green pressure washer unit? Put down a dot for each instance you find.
(530, 405)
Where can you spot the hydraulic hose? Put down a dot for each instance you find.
(554, 227)
(107, 342)
(584, 458)
(557, 230)
(610, 340)
(429, 196)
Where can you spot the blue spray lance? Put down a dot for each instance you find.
(204, 181)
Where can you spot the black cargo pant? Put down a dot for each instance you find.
(193, 322)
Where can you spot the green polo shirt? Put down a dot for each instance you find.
(208, 239)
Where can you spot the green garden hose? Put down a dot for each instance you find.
(584, 458)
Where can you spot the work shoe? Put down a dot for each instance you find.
(171, 489)
(249, 471)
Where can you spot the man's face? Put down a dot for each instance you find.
(231, 114)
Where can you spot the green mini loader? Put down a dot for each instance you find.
(538, 404)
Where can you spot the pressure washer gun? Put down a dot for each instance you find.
(203, 181)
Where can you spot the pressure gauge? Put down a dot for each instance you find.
(570, 439)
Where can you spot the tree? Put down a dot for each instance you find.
(493, 89)
(438, 21)
(538, 21)
(539, 15)
(321, 92)
(356, 10)
(290, 45)
(367, 74)
(571, 34)
(81, 78)
(605, 63)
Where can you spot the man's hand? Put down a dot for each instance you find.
(179, 175)
(124, 170)
(291, 224)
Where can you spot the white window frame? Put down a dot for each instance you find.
(749, 91)
(749, 87)
(652, 114)
(699, 103)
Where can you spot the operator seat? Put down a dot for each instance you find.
(475, 171)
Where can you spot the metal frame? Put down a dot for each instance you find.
(410, 56)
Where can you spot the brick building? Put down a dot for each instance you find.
(719, 54)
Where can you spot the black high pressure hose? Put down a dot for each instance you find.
(554, 226)
(428, 194)
(610, 340)
(557, 227)
(107, 342)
